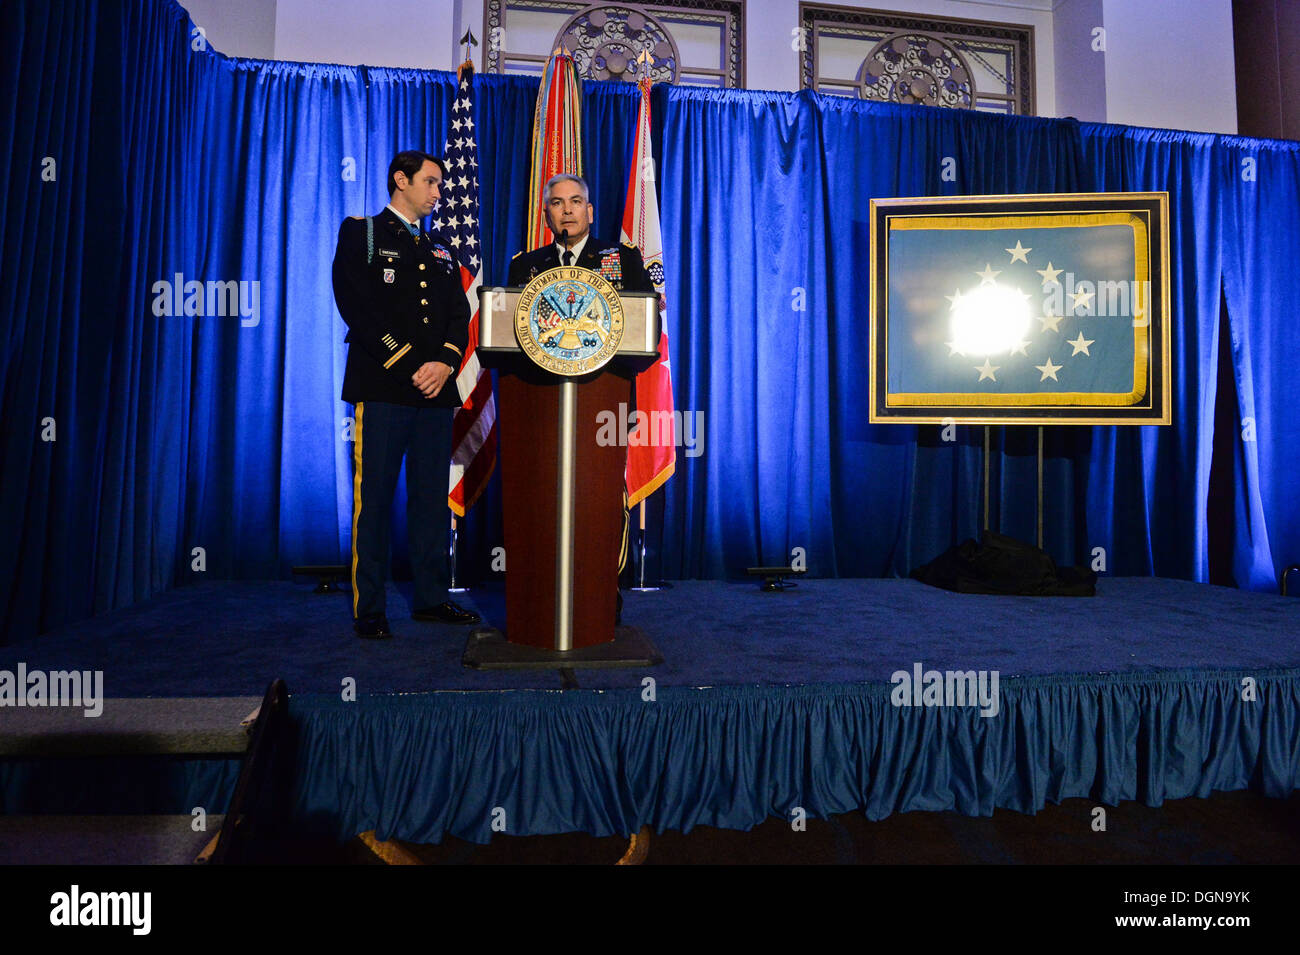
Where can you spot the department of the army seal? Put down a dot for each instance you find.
(569, 320)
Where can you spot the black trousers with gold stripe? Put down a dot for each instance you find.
(385, 435)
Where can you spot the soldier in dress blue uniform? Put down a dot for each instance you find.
(399, 291)
(569, 213)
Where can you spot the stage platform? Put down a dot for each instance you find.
(764, 703)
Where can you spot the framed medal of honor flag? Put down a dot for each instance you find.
(1037, 309)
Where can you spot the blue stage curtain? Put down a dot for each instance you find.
(1147, 487)
(1260, 224)
(94, 393)
(181, 432)
(767, 211)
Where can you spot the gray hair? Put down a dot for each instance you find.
(564, 177)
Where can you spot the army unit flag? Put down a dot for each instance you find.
(1044, 308)
(557, 138)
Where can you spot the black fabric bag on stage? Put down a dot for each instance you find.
(1003, 565)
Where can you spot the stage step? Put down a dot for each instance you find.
(102, 840)
(147, 726)
(130, 744)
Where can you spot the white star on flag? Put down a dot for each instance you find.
(1081, 345)
(1049, 274)
(1049, 370)
(1018, 253)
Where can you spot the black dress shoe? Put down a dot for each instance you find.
(372, 627)
(446, 612)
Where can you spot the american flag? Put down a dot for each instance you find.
(474, 428)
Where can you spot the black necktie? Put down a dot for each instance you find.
(566, 257)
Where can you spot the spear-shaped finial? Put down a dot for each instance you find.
(468, 41)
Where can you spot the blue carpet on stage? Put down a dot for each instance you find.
(765, 703)
(232, 638)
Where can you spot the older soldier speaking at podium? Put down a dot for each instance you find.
(569, 214)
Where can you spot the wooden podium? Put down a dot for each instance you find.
(562, 496)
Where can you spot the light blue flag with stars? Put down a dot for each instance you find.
(1018, 311)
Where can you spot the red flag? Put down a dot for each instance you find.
(651, 453)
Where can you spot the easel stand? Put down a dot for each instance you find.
(1039, 501)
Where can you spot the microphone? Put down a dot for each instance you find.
(563, 238)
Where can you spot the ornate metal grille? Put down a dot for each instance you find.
(878, 55)
(690, 42)
(605, 42)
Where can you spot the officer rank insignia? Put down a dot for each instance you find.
(389, 275)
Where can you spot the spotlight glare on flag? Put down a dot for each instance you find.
(990, 320)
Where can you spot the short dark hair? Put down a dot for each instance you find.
(408, 162)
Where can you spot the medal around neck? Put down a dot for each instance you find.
(569, 321)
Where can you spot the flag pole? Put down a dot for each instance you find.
(641, 557)
(641, 584)
(1039, 509)
(986, 477)
(455, 588)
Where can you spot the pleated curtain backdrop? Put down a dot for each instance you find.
(182, 441)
